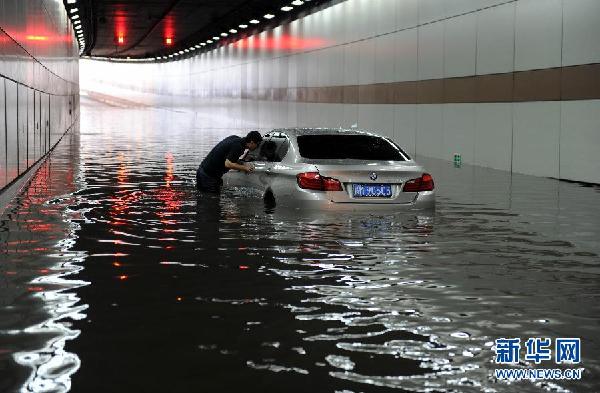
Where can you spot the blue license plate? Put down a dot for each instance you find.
(372, 190)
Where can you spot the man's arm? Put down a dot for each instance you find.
(238, 167)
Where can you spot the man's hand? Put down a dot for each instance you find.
(239, 167)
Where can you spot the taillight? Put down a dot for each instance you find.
(314, 181)
(423, 183)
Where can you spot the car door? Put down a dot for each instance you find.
(253, 180)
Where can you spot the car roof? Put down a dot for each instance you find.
(293, 132)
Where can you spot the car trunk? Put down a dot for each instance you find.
(381, 181)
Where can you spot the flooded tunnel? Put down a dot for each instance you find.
(428, 220)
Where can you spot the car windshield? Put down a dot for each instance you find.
(353, 147)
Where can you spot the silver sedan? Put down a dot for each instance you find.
(335, 169)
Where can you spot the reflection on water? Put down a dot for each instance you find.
(38, 275)
(118, 276)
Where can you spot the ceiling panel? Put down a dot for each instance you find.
(139, 29)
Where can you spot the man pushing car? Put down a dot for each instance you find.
(227, 154)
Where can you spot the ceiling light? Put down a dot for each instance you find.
(75, 16)
(71, 1)
(287, 8)
(269, 16)
(78, 28)
(254, 22)
(170, 55)
(74, 10)
(243, 26)
(198, 46)
(224, 34)
(297, 2)
(187, 51)
(233, 31)
(203, 44)
(209, 41)
(216, 38)
(181, 52)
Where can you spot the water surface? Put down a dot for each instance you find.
(117, 276)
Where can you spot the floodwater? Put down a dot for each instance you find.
(115, 276)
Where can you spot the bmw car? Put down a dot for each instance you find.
(335, 168)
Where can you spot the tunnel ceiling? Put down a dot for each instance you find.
(142, 29)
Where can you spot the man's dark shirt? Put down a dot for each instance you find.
(230, 148)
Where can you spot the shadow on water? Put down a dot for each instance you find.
(158, 288)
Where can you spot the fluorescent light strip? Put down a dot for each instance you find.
(216, 38)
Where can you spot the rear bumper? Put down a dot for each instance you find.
(423, 201)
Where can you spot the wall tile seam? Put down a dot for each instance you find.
(35, 88)
(36, 60)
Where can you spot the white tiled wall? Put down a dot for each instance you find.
(536, 138)
(579, 141)
(460, 46)
(496, 39)
(493, 135)
(581, 31)
(380, 41)
(538, 33)
(431, 51)
(459, 131)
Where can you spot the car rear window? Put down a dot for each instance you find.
(353, 147)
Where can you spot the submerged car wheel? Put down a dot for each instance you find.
(269, 199)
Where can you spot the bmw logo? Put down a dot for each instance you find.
(373, 176)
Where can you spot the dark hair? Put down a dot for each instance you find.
(253, 136)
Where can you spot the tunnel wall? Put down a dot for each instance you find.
(511, 85)
(39, 84)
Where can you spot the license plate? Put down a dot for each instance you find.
(372, 190)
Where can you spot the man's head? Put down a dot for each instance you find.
(252, 140)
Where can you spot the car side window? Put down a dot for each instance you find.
(274, 149)
(254, 155)
(270, 150)
(282, 149)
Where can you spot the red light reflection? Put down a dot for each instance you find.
(170, 197)
(284, 43)
(120, 26)
(37, 38)
(169, 30)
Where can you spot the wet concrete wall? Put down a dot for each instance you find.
(511, 85)
(39, 84)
